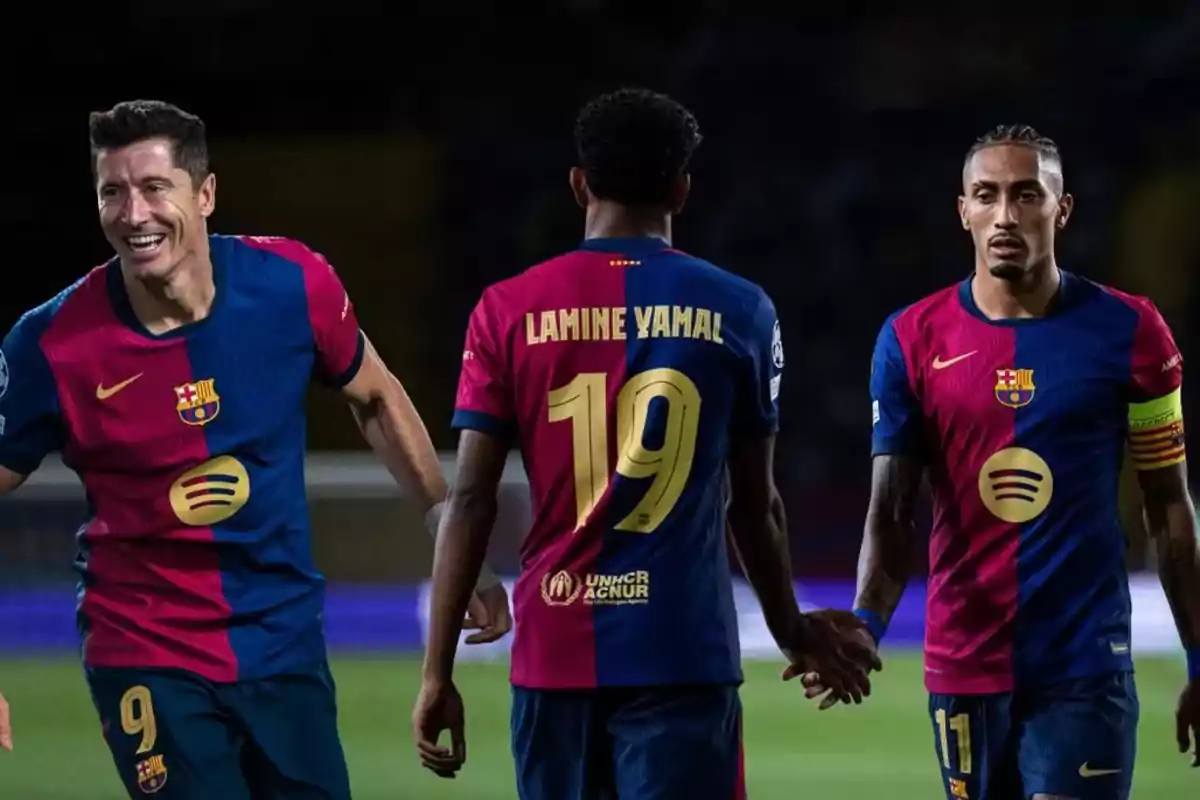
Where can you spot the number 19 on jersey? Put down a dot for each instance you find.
(584, 401)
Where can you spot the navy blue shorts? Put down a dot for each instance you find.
(1077, 739)
(178, 736)
(662, 743)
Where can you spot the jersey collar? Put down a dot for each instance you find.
(1067, 290)
(628, 245)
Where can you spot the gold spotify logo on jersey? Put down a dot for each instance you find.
(1016, 484)
(211, 493)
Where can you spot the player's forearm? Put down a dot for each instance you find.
(394, 430)
(1170, 518)
(759, 537)
(885, 560)
(884, 564)
(1173, 526)
(458, 558)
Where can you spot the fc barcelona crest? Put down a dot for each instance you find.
(198, 403)
(1014, 387)
(151, 774)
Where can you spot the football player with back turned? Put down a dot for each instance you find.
(1017, 393)
(631, 376)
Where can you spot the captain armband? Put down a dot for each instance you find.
(433, 518)
(1156, 432)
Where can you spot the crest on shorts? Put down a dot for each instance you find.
(152, 774)
(198, 403)
(1014, 387)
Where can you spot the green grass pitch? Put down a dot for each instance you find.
(883, 749)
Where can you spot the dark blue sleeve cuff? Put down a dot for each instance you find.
(481, 421)
(348, 374)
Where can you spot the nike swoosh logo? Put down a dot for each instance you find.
(1087, 772)
(939, 364)
(104, 392)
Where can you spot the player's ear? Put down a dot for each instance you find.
(680, 189)
(1066, 204)
(207, 195)
(579, 187)
(962, 213)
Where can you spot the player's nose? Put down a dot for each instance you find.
(135, 211)
(1006, 216)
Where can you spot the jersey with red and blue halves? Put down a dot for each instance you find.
(622, 370)
(1023, 426)
(190, 446)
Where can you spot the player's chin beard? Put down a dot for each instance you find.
(1010, 271)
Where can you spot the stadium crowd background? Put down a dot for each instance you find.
(425, 152)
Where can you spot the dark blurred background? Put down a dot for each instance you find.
(425, 151)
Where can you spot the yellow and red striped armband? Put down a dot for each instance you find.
(1156, 432)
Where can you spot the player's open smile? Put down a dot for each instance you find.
(145, 245)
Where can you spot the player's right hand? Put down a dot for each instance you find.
(5, 726)
(488, 615)
(836, 659)
(439, 708)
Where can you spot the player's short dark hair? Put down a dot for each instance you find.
(633, 144)
(137, 120)
(1017, 134)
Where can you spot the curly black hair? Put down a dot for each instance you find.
(137, 120)
(633, 144)
(1017, 134)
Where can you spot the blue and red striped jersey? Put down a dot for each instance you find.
(623, 369)
(190, 446)
(1023, 426)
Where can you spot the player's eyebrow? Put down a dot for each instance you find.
(1024, 183)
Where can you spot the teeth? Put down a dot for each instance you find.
(145, 241)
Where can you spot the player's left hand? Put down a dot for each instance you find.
(860, 646)
(1187, 721)
(488, 615)
(440, 708)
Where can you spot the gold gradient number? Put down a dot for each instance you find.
(137, 717)
(960, 724)
(584, 401)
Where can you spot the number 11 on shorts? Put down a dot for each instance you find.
(960, 725)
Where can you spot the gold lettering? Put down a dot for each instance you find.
(631, 588)
(531, 337)
(568, 324)
(662, 321)
(681, 322)
(609, 324)
(600, 324)
(549, 326)
(618, 324)
(642, 313)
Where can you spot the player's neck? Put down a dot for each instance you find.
(185, 296)
(608, 220)
(1030, 298)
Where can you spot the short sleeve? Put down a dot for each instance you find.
(1156, 436)
(897, 423)
(485, 398)
(30, 422)
(339, 340)
(756, 411)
